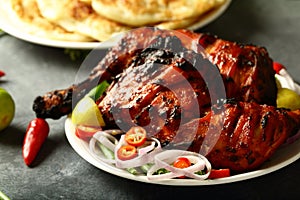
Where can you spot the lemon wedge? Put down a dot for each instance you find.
(287, 98)
(86, 113)
(7, 109)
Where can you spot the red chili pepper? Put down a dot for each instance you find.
(2, 73)
(277, 67)
(219, 173)
(127, 152)
(136, 136)
(36, 133)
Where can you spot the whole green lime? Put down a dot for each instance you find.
(7, 109)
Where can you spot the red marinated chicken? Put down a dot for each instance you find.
(187, 89)
(246, 69)
(240, 136)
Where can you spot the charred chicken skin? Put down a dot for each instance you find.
(246, 69)
(244, 134)
(165, 81)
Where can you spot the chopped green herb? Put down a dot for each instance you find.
(161, 171)
(110, 155)
(97, 91)
(145, 168)
(132, 171)
(106, 151)
(202, 172)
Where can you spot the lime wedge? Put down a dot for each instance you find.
(86, 113)
(287, 98)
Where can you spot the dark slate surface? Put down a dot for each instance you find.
(60, 173)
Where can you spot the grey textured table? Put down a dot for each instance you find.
(62, 174)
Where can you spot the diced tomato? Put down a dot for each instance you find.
(136, 136)
(181, 163)
(219, 173)
(127, 152)
(277, 67)
(86, 132)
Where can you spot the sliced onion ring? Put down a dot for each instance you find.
(140, 160)
(166, 158)
(286, 81)
(107, 140)
(148, 148)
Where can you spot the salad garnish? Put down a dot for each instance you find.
(148, 157)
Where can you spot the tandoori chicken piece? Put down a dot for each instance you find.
(240, 135)
(166, 81)
(246, 69)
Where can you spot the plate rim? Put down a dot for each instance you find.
(83, 152)
(8, 26)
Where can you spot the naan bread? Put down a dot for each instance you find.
(146, 12)
(177, 24)
(26, 14)
(90, 20)
(78, 16)
(188, 22)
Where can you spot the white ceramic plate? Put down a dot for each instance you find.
(283, 157)
(8, 25)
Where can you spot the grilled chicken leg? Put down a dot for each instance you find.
(246, 69)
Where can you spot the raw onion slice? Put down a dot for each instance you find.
(107, 140)
(166, 158)
(149, 147)
(146, 156)
(286, 81)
